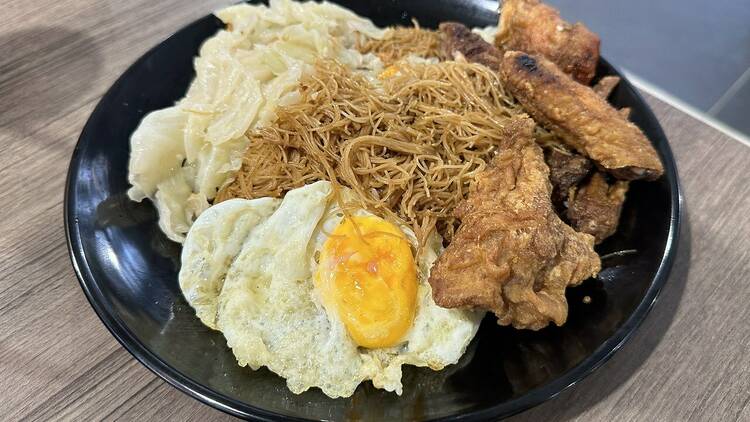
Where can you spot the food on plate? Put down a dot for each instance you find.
(606, 85)
(353, 199)
(595, 207)
(321, 299)
(400, 43)
(582, 119)
(512, 254)
(182, 155)
(537, 29)
(566, 170)
(566, 167)
(604, 89)
(214, 240)
(409, 142)
(458, 39)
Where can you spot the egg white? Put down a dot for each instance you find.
(271, 314)
(212, 243)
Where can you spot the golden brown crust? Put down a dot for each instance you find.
(535, 28)
(584, 120)
(606, 85)
(604, 88)
(595, 207)
(512, 254)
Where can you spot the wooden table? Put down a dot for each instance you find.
(689, 361)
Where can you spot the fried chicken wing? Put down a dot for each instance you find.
(456, 39)
(595, 207)
(512, 254)
(535, 28)
(583, 120)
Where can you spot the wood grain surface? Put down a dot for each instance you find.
(689, 361)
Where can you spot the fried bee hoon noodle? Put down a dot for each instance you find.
(398, 43)
(409, 146)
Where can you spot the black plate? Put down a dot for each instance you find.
(128, 268)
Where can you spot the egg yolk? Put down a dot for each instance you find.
(367, 274)
(388, 72)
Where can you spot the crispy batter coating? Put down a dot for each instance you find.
(583, 120)
(512, 254)
(456, 39)
(604, 89)
(606, 85)
(595, 207)
(535, 28)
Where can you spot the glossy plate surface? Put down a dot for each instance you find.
(128, 268)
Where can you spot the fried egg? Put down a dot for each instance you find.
(321, 299)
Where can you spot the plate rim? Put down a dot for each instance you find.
(219, 401)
